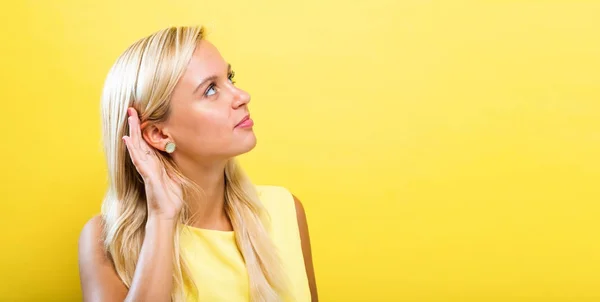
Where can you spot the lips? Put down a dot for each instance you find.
(245, 122)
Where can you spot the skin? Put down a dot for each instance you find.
(203, 125)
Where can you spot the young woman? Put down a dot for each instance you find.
(180, 221)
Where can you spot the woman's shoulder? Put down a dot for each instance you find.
(277, 200)
(273, 191)
(92, 230)
(275, 197)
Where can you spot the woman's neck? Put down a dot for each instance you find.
(208, 211)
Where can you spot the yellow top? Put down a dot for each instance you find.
(218, 267)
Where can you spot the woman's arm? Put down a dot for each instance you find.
(306, 249)
(152, 279)
(99, 281)
(153, 276)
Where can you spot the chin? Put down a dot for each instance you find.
(247, 144)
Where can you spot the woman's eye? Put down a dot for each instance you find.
(211, 90)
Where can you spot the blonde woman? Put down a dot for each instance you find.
(180, 221)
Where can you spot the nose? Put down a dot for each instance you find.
(240, 98)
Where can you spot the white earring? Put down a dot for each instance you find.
(170, 147)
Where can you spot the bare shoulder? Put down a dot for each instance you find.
(90, 237)
(99, 281)
(91, 245)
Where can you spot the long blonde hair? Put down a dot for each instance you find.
(144, 77)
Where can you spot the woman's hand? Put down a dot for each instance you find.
(163, 193)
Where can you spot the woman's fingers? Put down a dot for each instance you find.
(136, 134)
(133, 151)
(139, 150)
(134, 127)
(134, 154)
(130, 148)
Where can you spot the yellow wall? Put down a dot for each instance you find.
(444, 152)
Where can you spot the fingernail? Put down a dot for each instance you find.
(129, 111)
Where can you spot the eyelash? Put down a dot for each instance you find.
(230, 77)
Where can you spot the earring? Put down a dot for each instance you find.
(170, 147)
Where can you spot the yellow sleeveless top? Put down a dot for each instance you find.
(217, 266)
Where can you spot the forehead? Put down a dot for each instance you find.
(206, 61)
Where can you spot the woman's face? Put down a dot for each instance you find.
(209, 117)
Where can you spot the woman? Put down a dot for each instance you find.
(180, 221)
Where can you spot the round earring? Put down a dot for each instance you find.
(170, 147)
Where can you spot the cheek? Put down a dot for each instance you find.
(206, 125)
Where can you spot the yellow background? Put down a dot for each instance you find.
(444, 150)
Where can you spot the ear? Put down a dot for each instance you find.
(154, 135)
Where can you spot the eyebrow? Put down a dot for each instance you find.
(210, 78)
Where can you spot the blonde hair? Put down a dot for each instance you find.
(144, 77)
